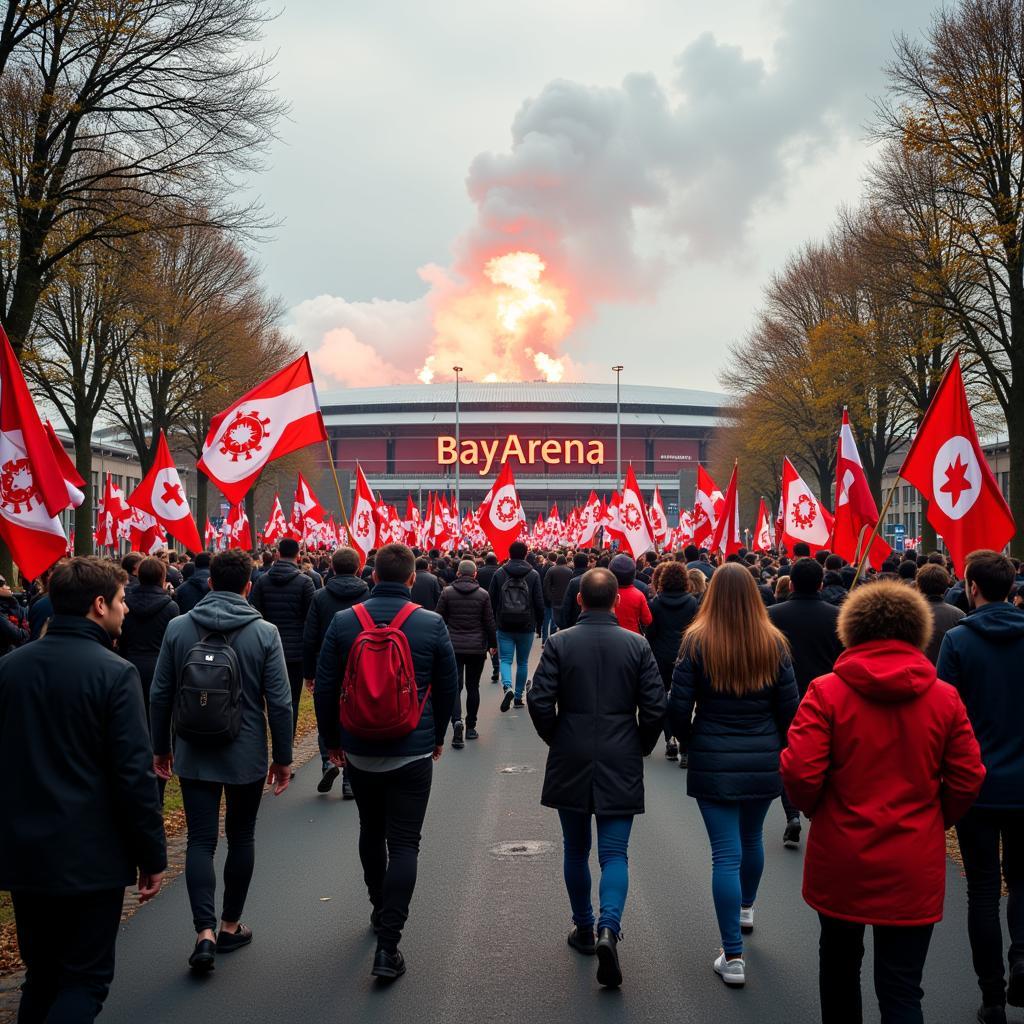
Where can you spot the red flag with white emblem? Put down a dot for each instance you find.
(764, 535)
(659, 521)
(501, 514)
(805, 518)
(946, 464)
(305, 506)
(634, 525)
(162, 494)
(856, 511)
(726, 537)
(362, 524)
(707, 507)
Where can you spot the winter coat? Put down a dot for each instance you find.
(466, 609)
(598, 702)
(808, 622)
(426, 589)
(944, 618)
(570, 606)
(433, 661)
(983, 659)
(338, 593)
(733, 742)
(40, 611)
(632, 612)
(833, 592)
(84, 814)
(882, 758)
(257, 646)
(554, 586)
(485, 574)
(705, 567)
(283, 596)
(150, 610)
(671, 612)
(518, 568)
(192, 591)
(14, 627)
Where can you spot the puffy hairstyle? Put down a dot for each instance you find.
(886, 610)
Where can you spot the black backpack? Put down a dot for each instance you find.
(208, 701)
(515, 612)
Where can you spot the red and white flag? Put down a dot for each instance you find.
(411, 523)
(276, 417)
(162, 495)
(209, 535)
(856, 511)
(726, 537)
(707, 507)
(277, 525)
(946, 464)
(145, 533)
(501, 513)
(589, 521)
(659, 521)
(112, 516)
(362, 524)
(72, 477)
(305, 507)
(237, 532)
(764, 532)
(634, 526)
(805, 518)
(612, 525)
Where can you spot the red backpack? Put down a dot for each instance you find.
(379, 696)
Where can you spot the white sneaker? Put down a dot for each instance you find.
(746, 920)
(732, 972)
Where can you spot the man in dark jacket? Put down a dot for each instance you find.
(484, 575)
(809, 624)
(83, 820)
(14, 627)
(933, 581)
(570, 604)
(554, 586)
(343, 589)
(426, 588)
(466, 609)
(390, 778)
(518, 611)
(697, 559)
(196, 587)
(283, 596)
(982, 658)
(598, 701)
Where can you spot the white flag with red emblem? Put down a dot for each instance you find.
(707, 507)
(237, 532)
(276, 417)
(277, 525)
(501, 514)
(305, 507)
(588, 521)
(634, 526)
(804, 517)
(764, 534)
(362, 524)
(659, 521)
(112, 516)
(162, 494)
(726, 537)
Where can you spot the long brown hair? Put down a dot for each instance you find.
(732, 635)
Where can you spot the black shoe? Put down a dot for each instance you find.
(519, 703)
(791, 837)
(684, 760)
(203, 956)
(506, 700)
(609, 973)
(494, 678)
(471, 733)
(375, 921)
(331, 772)
(583, 940)
(992, 1014)
(1015, 989)
(388, 965)
(346, 790)
(672, 750)
(458, 734)
(228, 942)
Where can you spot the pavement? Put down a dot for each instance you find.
(486, 935)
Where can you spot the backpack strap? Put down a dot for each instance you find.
(364, 617)
(403, 614)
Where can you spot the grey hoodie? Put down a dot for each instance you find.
(264, 681)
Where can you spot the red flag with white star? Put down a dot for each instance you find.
(946, 464)
(162, 494)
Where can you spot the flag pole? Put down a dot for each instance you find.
(337, 485)
(874, 532)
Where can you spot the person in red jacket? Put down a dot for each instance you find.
(632, 611)
(882, 758)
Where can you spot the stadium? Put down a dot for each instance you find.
(560, 439)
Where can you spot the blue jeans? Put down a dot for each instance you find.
(518, 646)
(736, 831)
(548, 627)
(612, 846)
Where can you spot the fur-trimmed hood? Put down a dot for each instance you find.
(886, 610)
(886, 671)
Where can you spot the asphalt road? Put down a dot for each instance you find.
(486, 935)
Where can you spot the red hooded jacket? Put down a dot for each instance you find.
(632, 611)
(882, 758)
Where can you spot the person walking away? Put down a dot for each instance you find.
(484, 575)
(598, 702)
(391, 777)
(343, 589)
(570, 606)
(518, 605)
(14, 626)
(882, 758)
(933, 581)
(196, 587)
(982, 658)
(426, 588)
(83, 821)
(734, 669)
(283, 596)
(809, 624)
(216, 753)
(632, 611)
(40, 609)
(553, 587)
(466, 609)
(672, 611)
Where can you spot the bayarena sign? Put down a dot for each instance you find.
(489, 455)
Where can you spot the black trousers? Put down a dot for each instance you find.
(470, 668)
(202, 816)
(899, 963)
(980, 833)
(67, 944)
(392, 806)
(294, 669)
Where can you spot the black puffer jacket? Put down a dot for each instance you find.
(283, 596)
(338, 593)
(734, 742)
(518, 568)
(466, 609)
(570, 606)
(149, 611)
(192, 591)
(671, 612)
(426, 589)
(599, 703)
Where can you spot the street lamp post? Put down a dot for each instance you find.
(458, 452)
(618, 429)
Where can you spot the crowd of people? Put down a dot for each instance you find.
(886, 710)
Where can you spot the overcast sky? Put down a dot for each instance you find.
(663, 158)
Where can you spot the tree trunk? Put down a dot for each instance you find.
(250, 511)
(83, 463)
(24, 298)
(929, 538)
